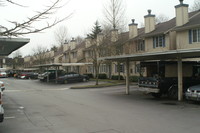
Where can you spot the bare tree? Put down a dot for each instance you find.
(17, 60)
(61, 35)
(161, 18)
(16, 54)
(39, 54)
(195, 6)
(3, 2)
(79, 39)
(27, 26)
(94, 50)
(114, 12)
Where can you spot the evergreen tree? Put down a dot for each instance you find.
(95, 30)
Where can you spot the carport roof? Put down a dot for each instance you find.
(76, 64)
(62, 64)
(163, 55)
(8, 45)
(49, 65)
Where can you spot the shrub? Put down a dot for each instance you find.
(115, 77)
(134, 78)
(102, 76)
(90, 75)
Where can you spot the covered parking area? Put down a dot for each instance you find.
(177, 55)
(57, 66)
(47, 67)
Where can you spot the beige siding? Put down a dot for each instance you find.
(183, 41)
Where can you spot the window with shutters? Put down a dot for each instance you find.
(194, 35)
(159, 41)
(141, 45)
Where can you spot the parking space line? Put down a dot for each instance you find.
(9, 117)
(61, 89)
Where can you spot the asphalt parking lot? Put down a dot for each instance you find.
(35, 107)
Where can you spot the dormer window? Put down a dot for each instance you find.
(194, 35)
(159, 41)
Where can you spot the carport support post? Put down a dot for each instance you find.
(48, 74)
(180, 79)
(57, 74)
(127, 77)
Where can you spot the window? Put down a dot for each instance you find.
(90, 53)
(159, 41)
(103, 68)
(194, 36)
(121, 68)
(90, 69)
(141, 45)
(137, 68)
(74, 54)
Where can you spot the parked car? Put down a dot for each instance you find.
(51, 74)
(3, 74)
(28, 75)
(193, 93)
(72, 77)
(2, 88)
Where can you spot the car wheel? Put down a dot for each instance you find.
(65, 82)
(84, 79)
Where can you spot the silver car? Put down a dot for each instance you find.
(193, 93)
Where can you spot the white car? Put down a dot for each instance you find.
(2, 88)
(3, 74)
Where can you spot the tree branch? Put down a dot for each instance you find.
(27, 27)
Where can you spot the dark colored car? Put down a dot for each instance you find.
(28, 75)
(51, 74)
(193, 93)
(72, 77)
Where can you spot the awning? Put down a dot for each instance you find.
(8, 45)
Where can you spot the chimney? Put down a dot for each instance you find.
(88, 40)
(73, 44)
(99, 39)
(114, 35)
(133, 31)
(149, 22)
(66, 46)
(182, 16)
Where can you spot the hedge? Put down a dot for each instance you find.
(134, 78)
(102, 76)
(115, 77)
(90, 75)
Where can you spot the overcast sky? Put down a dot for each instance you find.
(85, 13)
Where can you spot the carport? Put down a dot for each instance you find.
(177, 55)
(8, 45)
(48, 66)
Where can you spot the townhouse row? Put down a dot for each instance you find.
(181, 32)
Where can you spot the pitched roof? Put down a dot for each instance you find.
(194, 21)
(162, 28)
